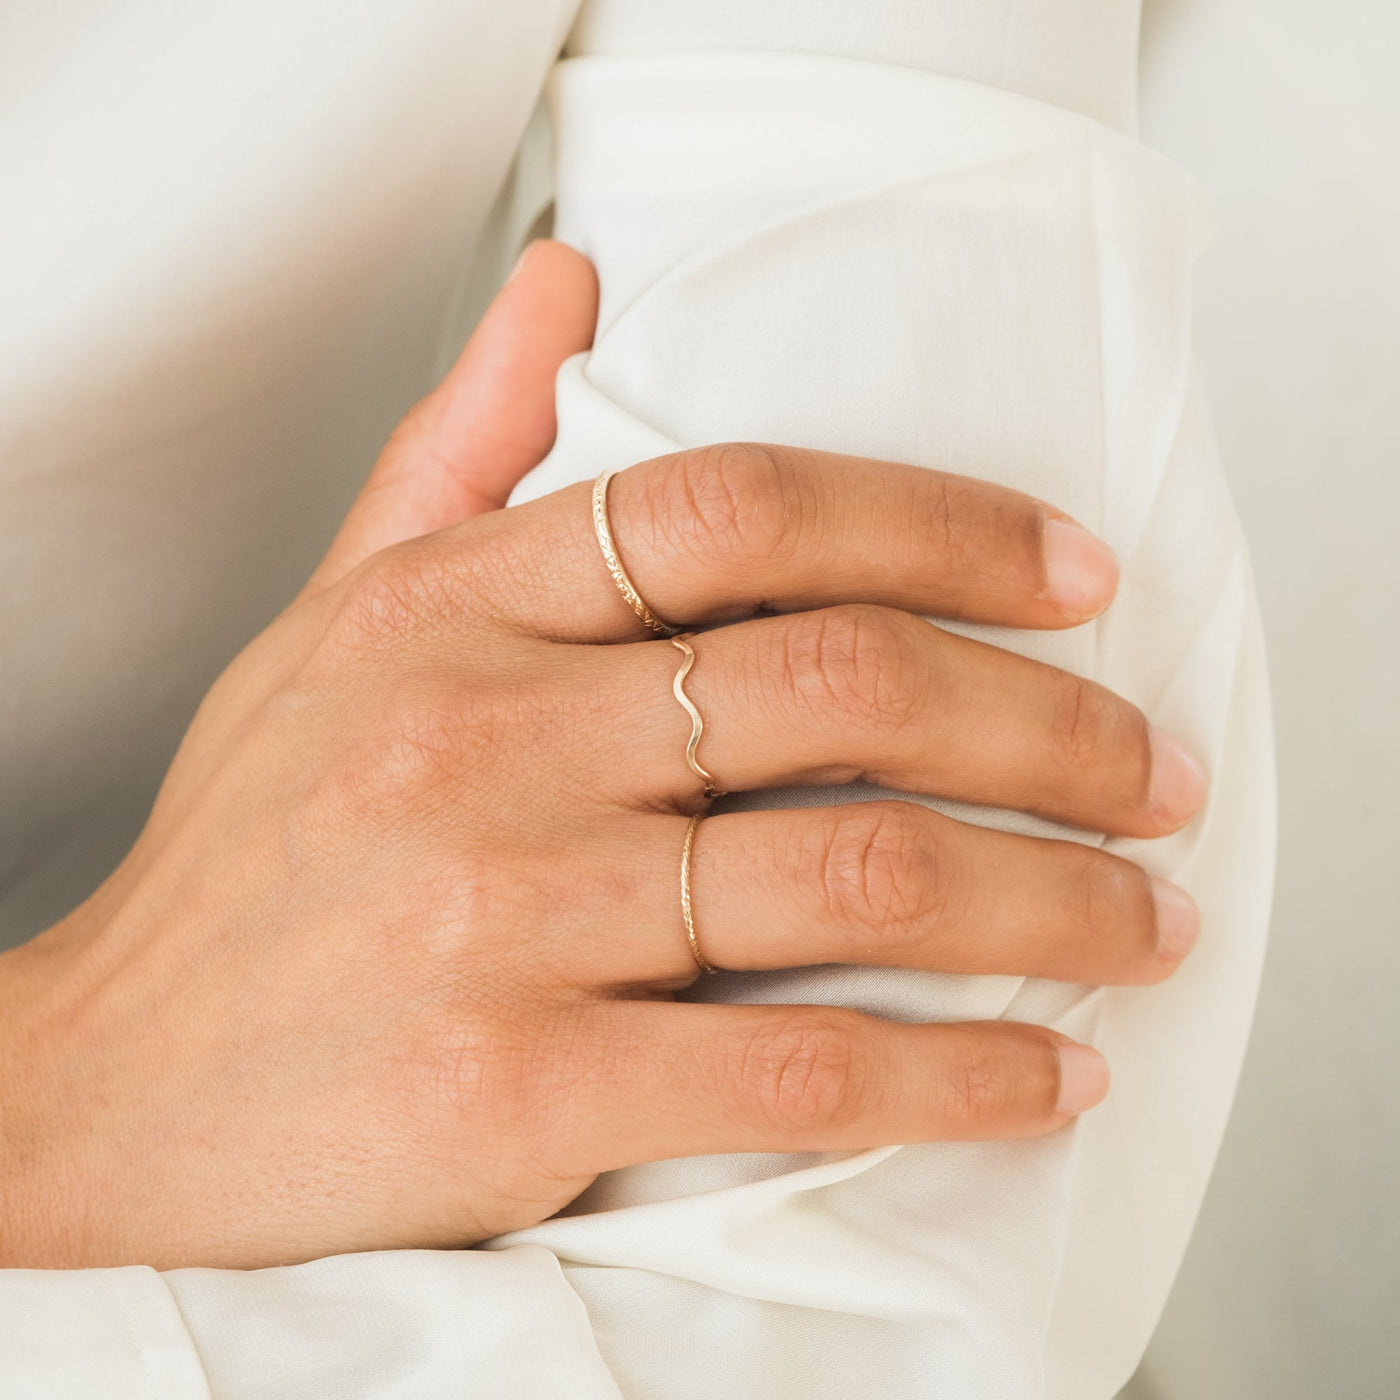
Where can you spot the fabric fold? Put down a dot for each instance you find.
(395, 1325)
(70, 1335)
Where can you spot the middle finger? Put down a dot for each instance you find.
(864, 692)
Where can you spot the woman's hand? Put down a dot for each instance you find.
(391, 963)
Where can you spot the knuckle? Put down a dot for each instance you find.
(729, 502)
(1084, 723)
(1111, 899)
(392, 596)
(488, 1067)
(803, 1073)
(424, 744)
(852, 662)
(1119, 919)
(985, 530)
(953, 503)
(463, 1069)
(879, 870)
(976, 1086)
(418, 747)
(413, 748)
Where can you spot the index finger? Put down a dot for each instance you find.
(715, 533)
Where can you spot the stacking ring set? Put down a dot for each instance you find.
(681, 641)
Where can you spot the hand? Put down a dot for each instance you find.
(391, 964)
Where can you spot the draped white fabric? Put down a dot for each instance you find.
(864, 256)
(870, 259)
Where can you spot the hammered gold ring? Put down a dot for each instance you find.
(603, 529)
(687, 914)
(697, 725)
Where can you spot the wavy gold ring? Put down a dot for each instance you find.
(603, 530)
(697, 725)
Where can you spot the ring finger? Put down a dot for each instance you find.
(889, 884)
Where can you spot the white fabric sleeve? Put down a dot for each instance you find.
(861, 256)
(417, 1324)
(395, 1325)
(83, 1334)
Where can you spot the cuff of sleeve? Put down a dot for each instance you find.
(432, 1324)
(86, 1333)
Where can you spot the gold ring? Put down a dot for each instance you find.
(697, 725)
(603, 530)
(700, 960)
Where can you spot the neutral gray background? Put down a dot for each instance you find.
(1289, 112)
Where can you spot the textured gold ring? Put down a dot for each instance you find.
(686, 913)
(697, 725)
(603, 530)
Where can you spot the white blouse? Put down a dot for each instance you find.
(913, 229)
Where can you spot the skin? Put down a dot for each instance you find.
(393, 962)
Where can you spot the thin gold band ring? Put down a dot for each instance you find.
(603, 530)
(697, 725)
(686, 913)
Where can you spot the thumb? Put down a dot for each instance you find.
(460, 450)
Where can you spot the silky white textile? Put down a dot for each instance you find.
(861, 255)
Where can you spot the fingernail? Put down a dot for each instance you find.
(1083, 1078)
(1178, 783)
(1081, 572)
(1178, 919)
